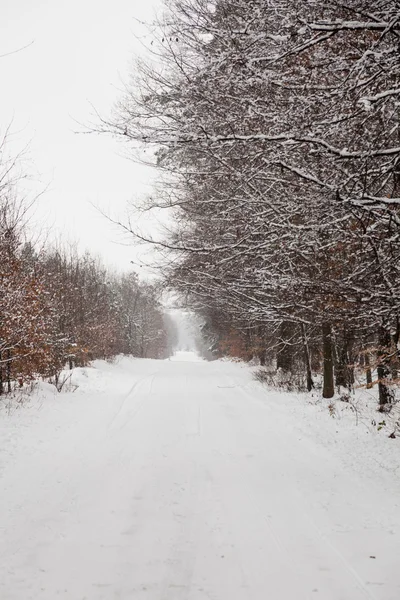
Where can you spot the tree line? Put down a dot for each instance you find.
(60, 309)
(276, 127)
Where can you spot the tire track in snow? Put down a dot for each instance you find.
(139, 405)
(183, 553)
(304, 526)
(135, 388)
(346, 564)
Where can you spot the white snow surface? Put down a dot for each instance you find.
(188, 480)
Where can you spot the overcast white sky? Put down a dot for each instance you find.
(81, 51)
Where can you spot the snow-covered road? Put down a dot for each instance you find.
(183, 480)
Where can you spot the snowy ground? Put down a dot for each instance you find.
(188, 480)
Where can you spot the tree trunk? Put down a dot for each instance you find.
(344, 369)
(329, 388)
(284, 356)
(1, 376)
(261, 354)
(8, 371)
(262, 358)
(307, 360)
(396, 351)
(368, 370)
(384, 374)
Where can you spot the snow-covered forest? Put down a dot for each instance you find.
(59, 307)
(275, 126)
(225, 425)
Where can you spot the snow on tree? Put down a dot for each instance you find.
(276, 126)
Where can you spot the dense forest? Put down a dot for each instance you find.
(275, 127)
(62, 309)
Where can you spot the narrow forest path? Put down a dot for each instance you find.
(179, 480)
